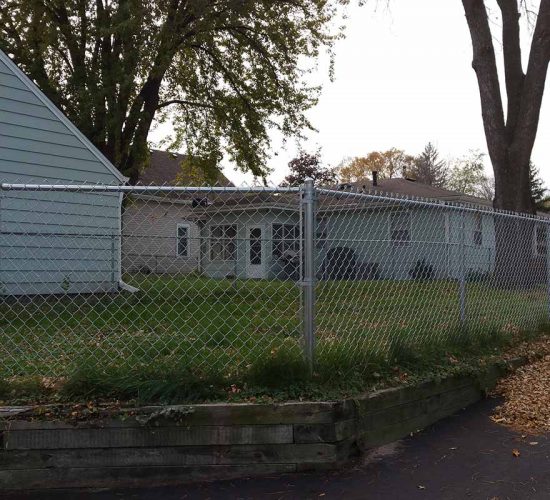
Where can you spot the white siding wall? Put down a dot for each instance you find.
(52, 242)
(149, 240)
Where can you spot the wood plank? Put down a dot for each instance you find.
(146, 437)
(324, 433)
(169, 456)
(105, 477)
(207, 414)
(376, 436)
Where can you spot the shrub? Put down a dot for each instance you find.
(422, 270)
(340, 264)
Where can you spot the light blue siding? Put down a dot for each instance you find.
(52, 242)
(434, 241)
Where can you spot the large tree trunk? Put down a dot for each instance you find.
(510, 141)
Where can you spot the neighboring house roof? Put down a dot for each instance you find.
(412, 188)
(27, 82)
(164, 168)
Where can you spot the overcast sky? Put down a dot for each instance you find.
(403, 78)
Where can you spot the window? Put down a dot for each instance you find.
(222, 242)
(541, 241)
(286, 237)
(400, 229)
(478, 229)
(182, 240)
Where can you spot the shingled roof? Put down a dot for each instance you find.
(165, 166)
(412, 188)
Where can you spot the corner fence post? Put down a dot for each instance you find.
(308, 278)
(462, 273)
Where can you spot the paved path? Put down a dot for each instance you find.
(462, 457)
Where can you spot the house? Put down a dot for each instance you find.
(53, 242)
(161, 233)
(257, 235)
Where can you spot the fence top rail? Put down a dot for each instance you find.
(378, 197)
(430, 203)
(145, 189)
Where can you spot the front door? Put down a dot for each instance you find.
(255, 255)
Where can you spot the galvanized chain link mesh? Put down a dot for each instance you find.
(397, 274)
(213, 278)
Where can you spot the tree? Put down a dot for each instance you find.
(388, 164)
(224, 72)
(487, 188)
(429, 169)
(538, 189)
(510, 140)
(197, 171)
(468, 176)
(307, 165)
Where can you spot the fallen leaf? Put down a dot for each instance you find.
(516, 452)
(421, 487)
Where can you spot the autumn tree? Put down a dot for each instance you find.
(222, 72)
(510, 138)
(389, 164)
(309, 166)
(429, 169)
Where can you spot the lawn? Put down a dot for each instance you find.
(228, 326)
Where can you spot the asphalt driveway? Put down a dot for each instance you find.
(464, 456)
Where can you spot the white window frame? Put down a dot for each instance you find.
(285, 242)
(224, 241)
(402, 242)
(188, 238)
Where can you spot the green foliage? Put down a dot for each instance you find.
(234, 339)
(538, 189)
(429, 169)
(468, 174)
(223, 73)
(158, 383)
(284, 368)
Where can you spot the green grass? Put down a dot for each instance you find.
(189, 337)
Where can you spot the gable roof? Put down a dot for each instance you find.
(30, 85)
(412, 188)
(165, 166)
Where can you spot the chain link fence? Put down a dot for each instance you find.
(226, 278)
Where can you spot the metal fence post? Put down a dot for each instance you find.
(462, 273)
(547, 264)
(308, 278)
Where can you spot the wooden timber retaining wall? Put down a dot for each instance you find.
(213, 441)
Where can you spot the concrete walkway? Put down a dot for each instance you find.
(465, 456)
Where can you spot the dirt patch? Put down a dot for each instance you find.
(527, 394)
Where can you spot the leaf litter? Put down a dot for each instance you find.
(526, 392)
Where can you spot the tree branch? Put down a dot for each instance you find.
(512, 61)
(184, 102)
(534, 83)
(484, 64)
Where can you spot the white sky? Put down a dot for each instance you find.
(403, 77)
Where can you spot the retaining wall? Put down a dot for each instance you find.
(158, 445)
